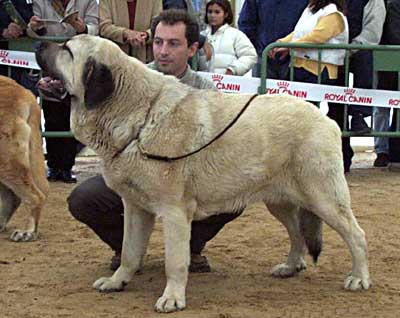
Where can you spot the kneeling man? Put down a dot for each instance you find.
(175, 40)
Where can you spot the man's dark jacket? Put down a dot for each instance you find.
(265, 21)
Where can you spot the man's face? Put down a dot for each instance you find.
(170, 48)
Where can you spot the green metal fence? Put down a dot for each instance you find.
(386, 58)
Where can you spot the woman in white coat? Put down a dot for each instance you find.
(234, 54)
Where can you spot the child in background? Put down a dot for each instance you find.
(234, 54)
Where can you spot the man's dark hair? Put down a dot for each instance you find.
(316, 5)
(226, 7)
(174, 16)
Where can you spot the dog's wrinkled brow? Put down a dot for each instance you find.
(65, 47)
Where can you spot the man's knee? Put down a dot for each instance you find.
(79, 205)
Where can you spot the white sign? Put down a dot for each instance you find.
(311, 92)
(19, 59)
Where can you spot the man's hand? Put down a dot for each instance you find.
(208, 50)
(36, 23)
(79, 25)
(281, 51)
(13, 31)
(135, 38)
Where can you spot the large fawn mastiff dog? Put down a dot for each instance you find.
(22, 168)
(148, 129)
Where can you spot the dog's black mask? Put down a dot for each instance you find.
(98, 82)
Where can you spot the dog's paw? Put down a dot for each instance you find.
(284, 270)
(108, 285)
(23, 236)
(166, 304)
(355, 283)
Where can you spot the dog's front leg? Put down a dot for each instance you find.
(177, 256)
(138, 226)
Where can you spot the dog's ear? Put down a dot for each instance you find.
(98, 82)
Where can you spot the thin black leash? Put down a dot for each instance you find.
(170, 159)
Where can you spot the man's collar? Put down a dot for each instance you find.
(187, 70)
(153, 66)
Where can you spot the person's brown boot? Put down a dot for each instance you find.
(199, 264)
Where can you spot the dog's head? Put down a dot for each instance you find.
(80, 67)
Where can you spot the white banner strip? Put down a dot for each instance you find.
(310, 92)
(240, 84)
(18, 59)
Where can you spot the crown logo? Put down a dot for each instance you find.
(349, 91)
(3, 54)
(283, 84)
(217, 77)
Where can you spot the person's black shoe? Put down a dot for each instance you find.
(67, 176)
(115, 261)
(359, 125)
(53, 174)
(199, 264)
(382, 160)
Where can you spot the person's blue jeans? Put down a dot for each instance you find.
(381, 123)
(386, 81)
(394, 143)
(362, 69)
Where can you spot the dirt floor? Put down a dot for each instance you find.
(52, 277)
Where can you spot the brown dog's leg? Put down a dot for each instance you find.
(32, 199)
(24, 172)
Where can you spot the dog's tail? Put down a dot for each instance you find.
(311, 229)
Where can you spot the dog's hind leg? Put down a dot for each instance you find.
(9, 203)
(138, 226)
(330, 200)
(17, 176)
(33, 200)
(288, 215)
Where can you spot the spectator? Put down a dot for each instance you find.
(11, 30)
(321, 22)
(264, 22)
(366, 18)
(389, 81)
(61, 152)
(127, 22)
(197, 9)
(176, 36)
(233, 52)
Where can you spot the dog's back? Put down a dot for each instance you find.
(22, 168)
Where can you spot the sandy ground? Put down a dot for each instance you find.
(52, 277)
